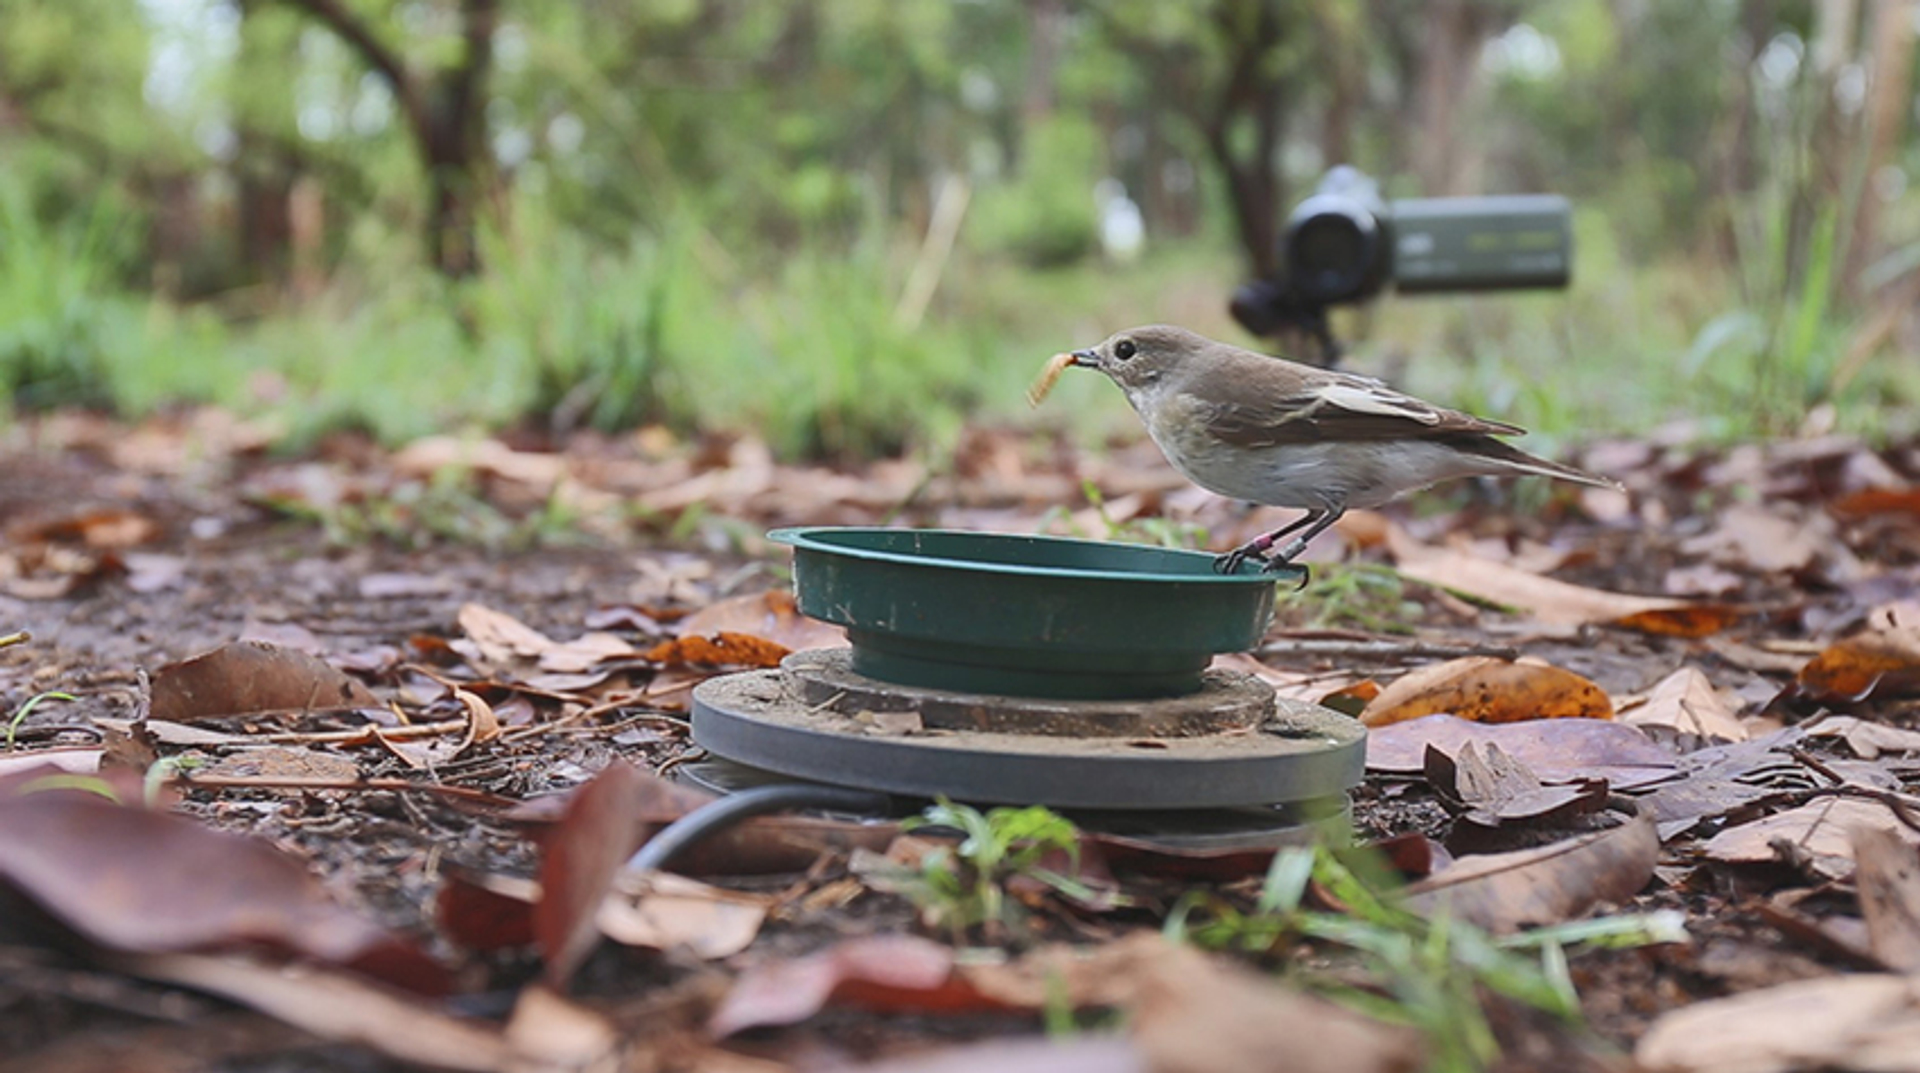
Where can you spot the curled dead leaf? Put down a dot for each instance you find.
(1489, 690)
(1685, 702)
(1876, 664)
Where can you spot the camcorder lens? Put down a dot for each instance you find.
(1330, 251)
(1332, 256)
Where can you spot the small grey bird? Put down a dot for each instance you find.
(1248, 426)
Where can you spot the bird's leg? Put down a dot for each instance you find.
(1257, 547)
(1322, 521)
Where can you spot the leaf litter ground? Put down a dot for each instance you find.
(405, 661)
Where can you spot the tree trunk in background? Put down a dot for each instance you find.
(1889, 44)
(445, 110)
(1046, 36)
(264, 172)
(1346, 83)
(1449, 60)
(1254, 97)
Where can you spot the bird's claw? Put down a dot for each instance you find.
(1230, 563)
(1299, 571)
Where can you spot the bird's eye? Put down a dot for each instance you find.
(1125, 349)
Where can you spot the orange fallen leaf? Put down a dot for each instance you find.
(1489, 690)
(1878, 663)
(110, 528)
(725, 648)
(1691, 620)
(1878, 501)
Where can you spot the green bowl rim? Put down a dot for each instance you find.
(799, 537)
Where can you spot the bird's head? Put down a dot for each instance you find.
(1139, 358)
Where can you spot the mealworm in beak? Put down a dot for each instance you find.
(1044, 382)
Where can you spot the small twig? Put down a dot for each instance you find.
(295, 782)
(693, 756)
(1384, 650)
(399, 733)
(586, 714)
(1904, 808)
(1816, 765)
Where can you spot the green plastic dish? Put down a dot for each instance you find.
(1025, 615)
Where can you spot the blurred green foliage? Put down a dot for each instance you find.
(707, 213)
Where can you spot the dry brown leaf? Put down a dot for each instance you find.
(1859, 1022)
(1888, 881)
(1817, 834)
(586, 652)
(550, 1034)
(501, 637)
(336, 1006)
(772, 615)
(604, 823)
(889, 972)
(1188, 1012)
(136, 881)
(1761, 538)
(664, 911)
(1544, 598)
(721, 650)
(1488, 690)
(482, 911)
(1489, 788)
(1504, 892)
(1686, 702)
(1030, 1054)
(248, 678)
(1875, 664)
(1867, 740)
(482, 725)
(429, 455)
(1195, 1014)
(1555, 749)
(74, 761)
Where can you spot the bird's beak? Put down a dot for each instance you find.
(1085, 358)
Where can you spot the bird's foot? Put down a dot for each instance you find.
(1229, 564)
(1299, 572)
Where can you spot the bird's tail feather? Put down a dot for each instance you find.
(1522, 462)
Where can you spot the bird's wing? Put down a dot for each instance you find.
(1340, 406)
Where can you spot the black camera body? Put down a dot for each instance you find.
(1345, 244)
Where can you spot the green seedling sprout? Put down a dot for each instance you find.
(20, 716)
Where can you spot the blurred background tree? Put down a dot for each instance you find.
(852, 225)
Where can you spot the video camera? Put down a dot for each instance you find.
(1344, 244)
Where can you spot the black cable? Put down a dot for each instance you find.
(714, 817)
